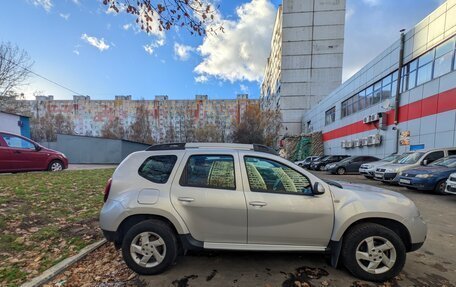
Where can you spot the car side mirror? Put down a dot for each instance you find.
(37, 147)
(318, 188)
(425, 162)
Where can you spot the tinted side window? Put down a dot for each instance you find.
(209, 171)
(158, 168)
(452, 152)
(434, 156)
(266, 175)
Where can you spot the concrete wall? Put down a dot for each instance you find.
(422, 110)
(82, 149)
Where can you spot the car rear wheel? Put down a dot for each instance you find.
(322, 168)
(149, 247)
(341, 171)
(373, 252)
(55, 165)
(440, 187)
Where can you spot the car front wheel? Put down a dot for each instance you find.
(341, 171)
(149, 247)
(373, 252)
(55, 165)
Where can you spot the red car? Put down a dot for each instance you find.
(18, 153)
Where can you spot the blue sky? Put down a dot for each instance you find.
(79, 45)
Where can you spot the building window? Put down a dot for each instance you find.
(330, 116)
(443, 58)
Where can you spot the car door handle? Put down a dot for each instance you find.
(185, 199)
(17, 151)
(258, 203)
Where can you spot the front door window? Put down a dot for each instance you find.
(266, 175)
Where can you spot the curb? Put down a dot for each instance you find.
(60, 267)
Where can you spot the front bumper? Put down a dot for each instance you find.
(386, 176)
(450, 187)
(417, 183)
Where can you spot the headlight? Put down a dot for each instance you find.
(424, 175)
(331, 165)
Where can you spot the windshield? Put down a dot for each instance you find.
(391, 158)
(446, 162)
(321, 158)
(410, 158)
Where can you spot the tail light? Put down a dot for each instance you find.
(107, 189)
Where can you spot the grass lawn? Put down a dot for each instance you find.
(46, 217)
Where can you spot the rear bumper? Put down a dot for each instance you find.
(417, 183)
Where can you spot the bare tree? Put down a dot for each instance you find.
(140, 130)
(257, 126)
(113, 129)
(208, 133)
(46, 128)
(15, 66)
(195, 15)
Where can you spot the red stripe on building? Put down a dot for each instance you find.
(442, 102)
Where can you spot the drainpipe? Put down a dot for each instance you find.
(398, 88)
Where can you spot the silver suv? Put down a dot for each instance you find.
(172, 198)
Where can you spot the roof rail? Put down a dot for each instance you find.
(170, 146)
(183, 146)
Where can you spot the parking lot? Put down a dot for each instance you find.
(432, 265)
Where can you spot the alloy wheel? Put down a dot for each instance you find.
(148, 249)
(376, 255)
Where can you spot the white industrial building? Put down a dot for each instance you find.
(366, 115)
(305, 63)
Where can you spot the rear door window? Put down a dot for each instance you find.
(209, 171)
(158, 168)
(433, 156)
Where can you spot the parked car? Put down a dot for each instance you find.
(389, 173)
(321, 164)
(18, 153)
(430, 177)
(173, 198)
(368, 169)
(306, 162)
(307, 165)
(350, 164)
(450, 187)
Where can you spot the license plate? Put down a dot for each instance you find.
(406, 181)
(378, 175)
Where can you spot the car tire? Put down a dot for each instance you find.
(55, 165)
(440, 187)
(149, 247)
(357, 259)
(321, 168)
(341, 171)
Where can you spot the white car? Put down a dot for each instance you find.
(451, 184)
(368, 169)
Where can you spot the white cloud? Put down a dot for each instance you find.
(150, 48)
(244, 89)
(372, 2)
(46, 4)
(100, 44)
(201, 79)
(349, 12)
(77, 2)
(127, 27)
(76, 52)
(65, 16)
(240, 52)
(182, 51)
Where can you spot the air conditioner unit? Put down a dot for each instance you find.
(366, 120)
(349, 144)
(375, 117)
(342, 144)
(357, 143)
(364, 141)
(370, 140)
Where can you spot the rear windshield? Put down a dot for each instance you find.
(391, 158)
(158, 168)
